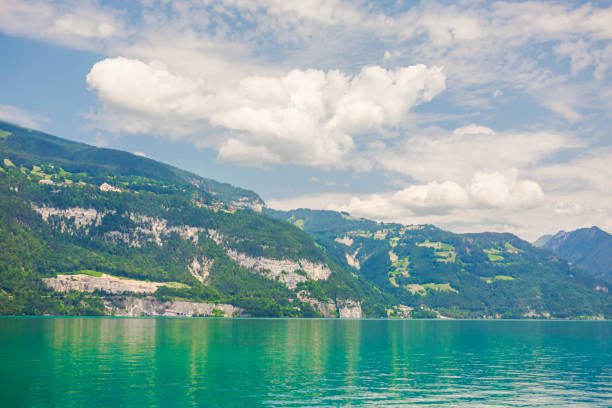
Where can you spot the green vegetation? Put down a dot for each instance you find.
(458, 275)
(426, 270)
(494, 254)
(401, 271)
(442, 251)
(217, 313)
(90, 273)
(511, 248)
(348, 217)
(115, 244)
(421, 289)
(497, 278)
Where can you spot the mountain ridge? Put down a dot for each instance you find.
(475, 271)
(83, 229)
(589, 248)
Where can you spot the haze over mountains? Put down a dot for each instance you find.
(99, 231)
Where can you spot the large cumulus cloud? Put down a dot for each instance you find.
(306, 117)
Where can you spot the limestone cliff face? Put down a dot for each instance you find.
(344, 309)
(285, 270)
(352, 259)
(81, 217)
(148, 229)
(149, 306)
(106, 283)
(200, 268)
(156, 228)
(349, 309)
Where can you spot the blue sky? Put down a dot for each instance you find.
(471, 115)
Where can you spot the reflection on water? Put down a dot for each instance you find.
(106, 362)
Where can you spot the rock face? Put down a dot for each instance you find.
(284, 270)
(149, 306)
(148, 229)
(152, 229)
(200, 268)
(352, 259)
(107, 187)
(82, 217)
(344, 309)
(106, 283)
(349, 309)
(248, 202)
(346, 240)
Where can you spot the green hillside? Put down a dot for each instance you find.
(27, 147)
(90, 231)
(66, 208)
(455, 275)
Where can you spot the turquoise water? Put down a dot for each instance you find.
(114, 362)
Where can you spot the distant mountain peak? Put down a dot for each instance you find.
(589, 248)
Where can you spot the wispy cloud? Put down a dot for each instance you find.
(367, 86)
(18, 116)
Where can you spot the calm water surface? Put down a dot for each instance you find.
(114, 362)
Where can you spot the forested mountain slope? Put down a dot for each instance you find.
(433, 272)
(85, 230)
(97, 224)
(588, 248)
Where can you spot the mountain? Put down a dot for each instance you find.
(588, 248)
(435, 272)
(85, 230)
(30, 148)
(540, 242)
(91, 231)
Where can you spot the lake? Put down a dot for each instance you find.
(115, 362)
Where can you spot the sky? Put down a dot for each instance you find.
(470, 115)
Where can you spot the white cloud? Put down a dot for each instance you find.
(441, 155)
(18, 116)
(306, 117)
(491, 181)
(234, 76)
(147, 89)
(82, 26)
(432, 197)
(389, 55)
(481, 44)
(504, 190)
(73, 23)
(589, 174)
(584, 54)
(236, 151)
